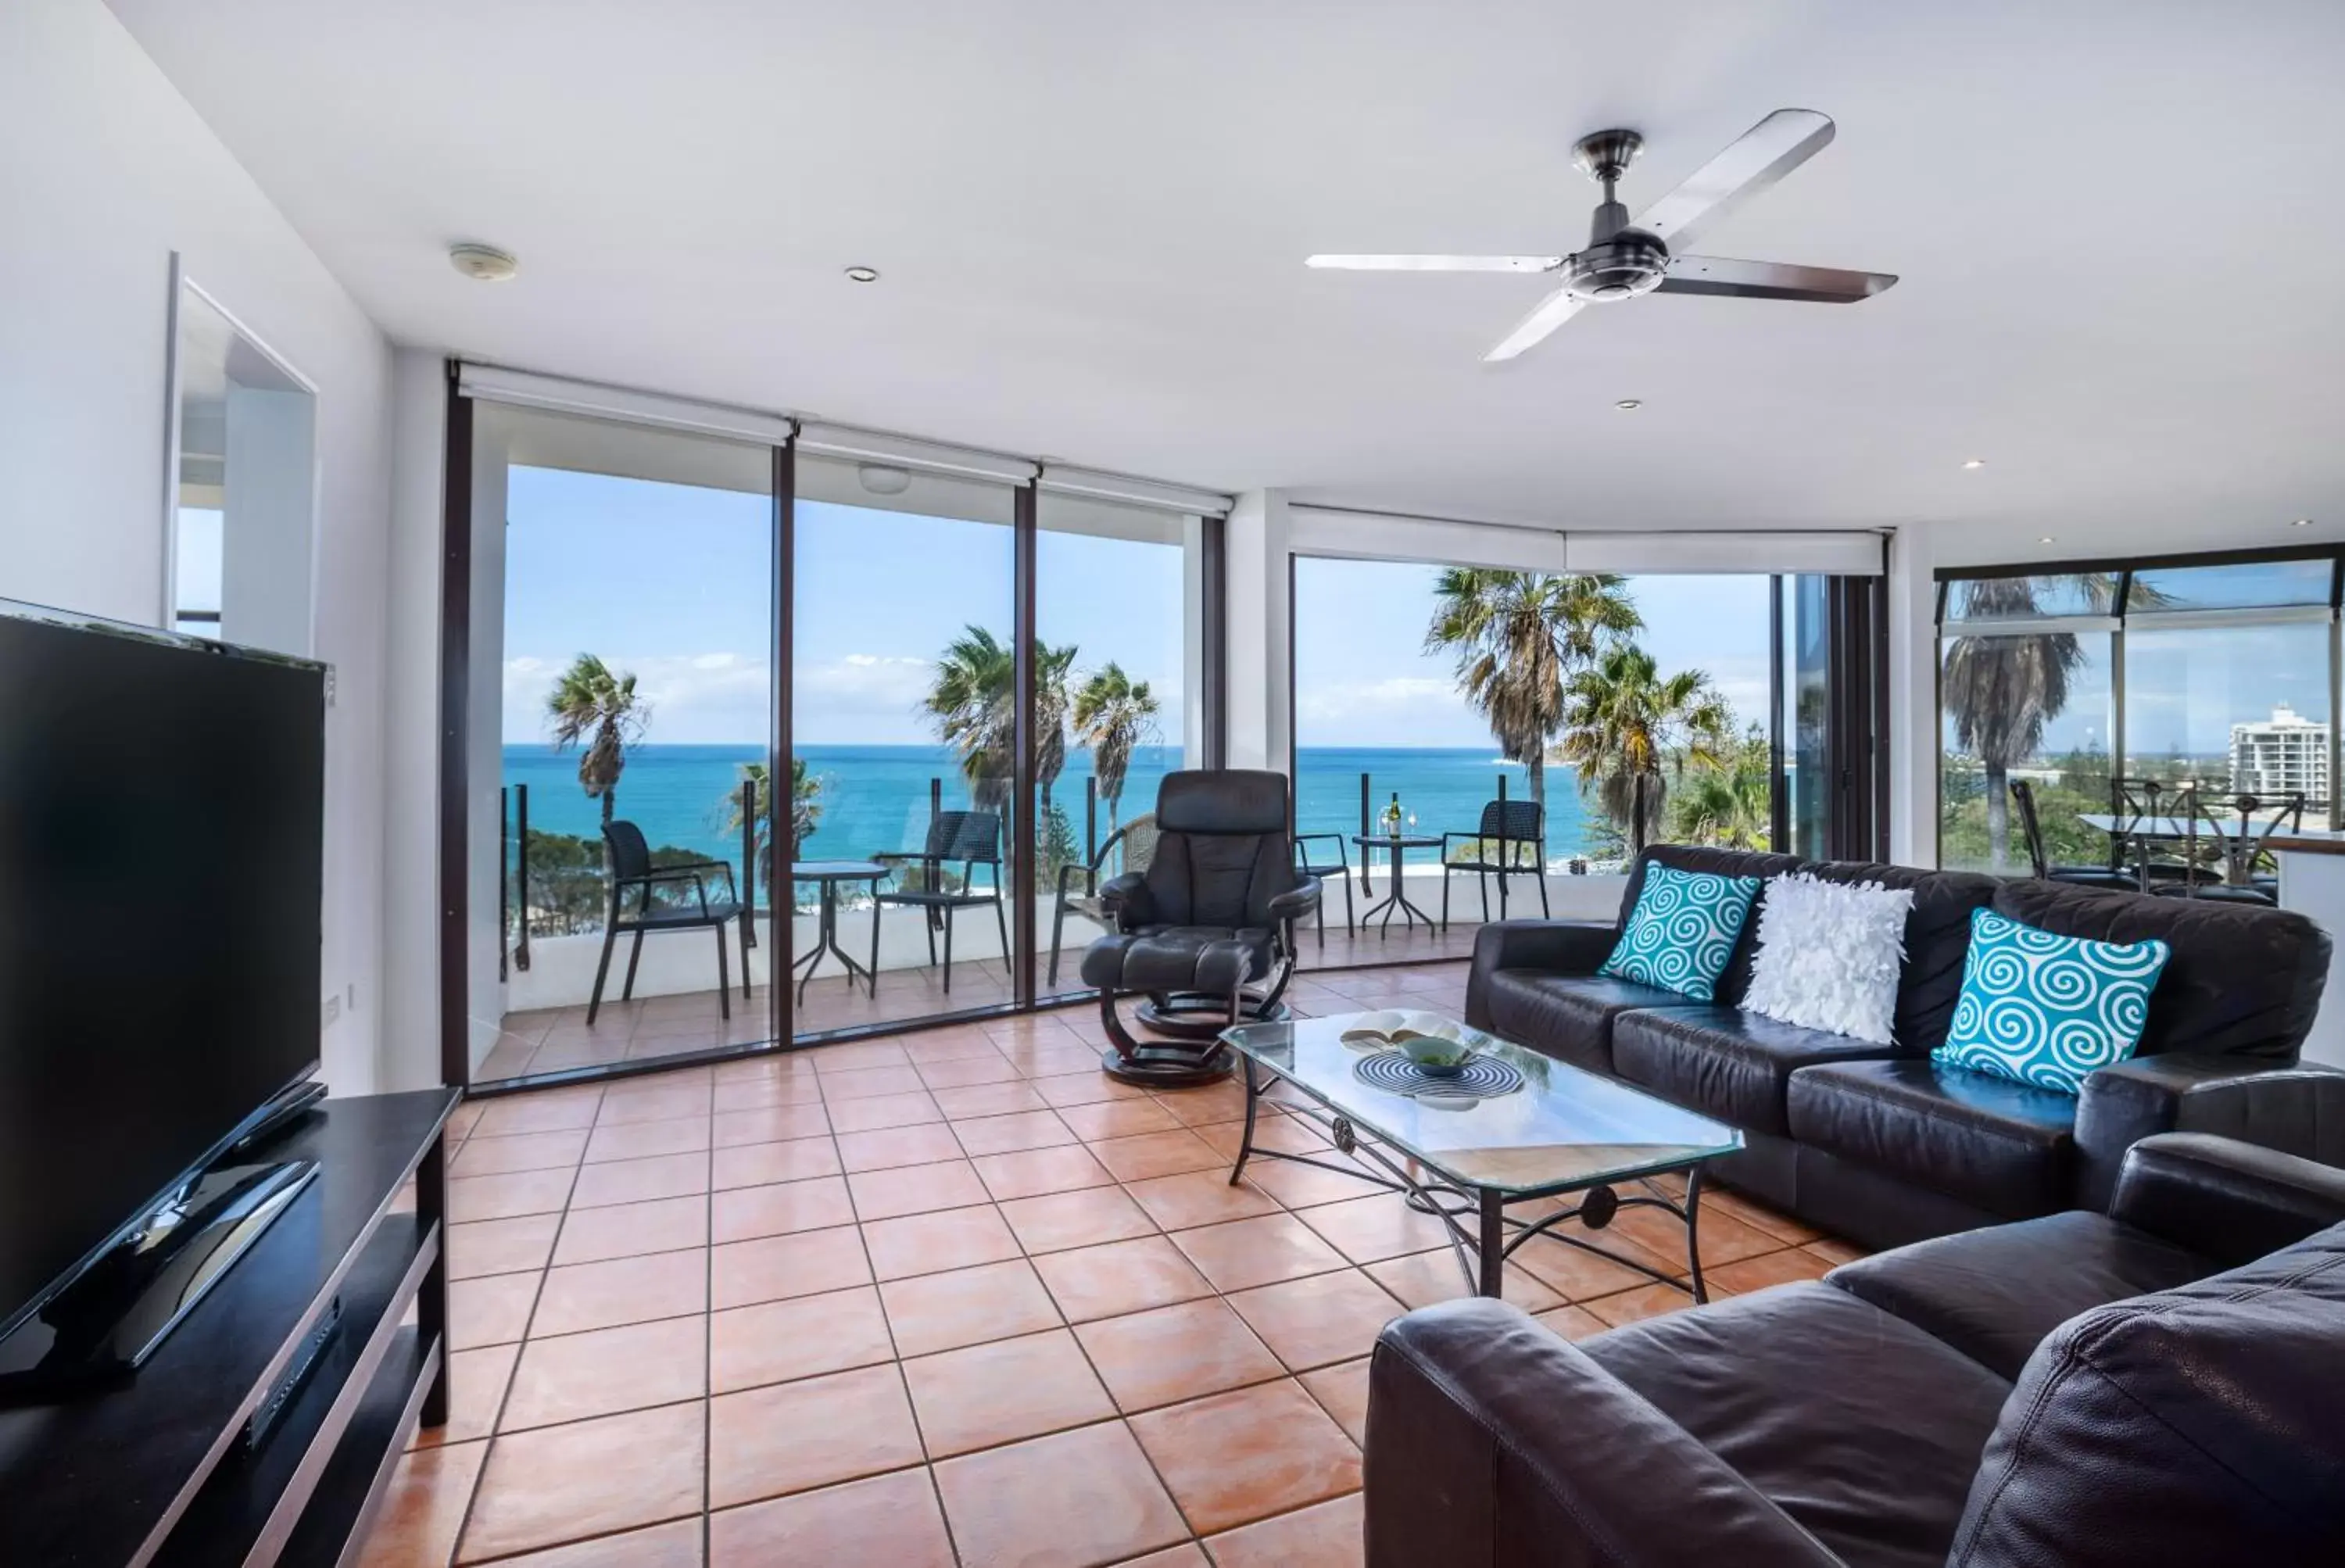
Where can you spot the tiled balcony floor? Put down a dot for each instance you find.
(954, 1297)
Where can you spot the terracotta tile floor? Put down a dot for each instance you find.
(950, 1298)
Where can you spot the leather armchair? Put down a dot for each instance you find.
(1875, 1417)
(1493, 1442)
(1213, 914)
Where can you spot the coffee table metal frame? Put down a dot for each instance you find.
(1482, 1252)
(1410, 914)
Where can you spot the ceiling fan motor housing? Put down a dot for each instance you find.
(1627, 263)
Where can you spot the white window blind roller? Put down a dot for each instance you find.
(840, 482)
(1852, 554)
(1383, 536)
(558, 394)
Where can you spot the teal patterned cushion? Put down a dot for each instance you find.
(1682, 930)
(2045, 1008)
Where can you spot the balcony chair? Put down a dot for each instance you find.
(1137, 839)
(1511, 825)
(1213, 913)
(2237, 850)
(971, 839)
(632, 872)
(2023, 795)
(1308, 863)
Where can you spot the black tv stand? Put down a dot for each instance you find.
(100, 1328)
(155, 1467)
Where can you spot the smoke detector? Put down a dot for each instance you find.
(482, 263)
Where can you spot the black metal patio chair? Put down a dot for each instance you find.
(969, 840)
(1508, 828)
(629, 859)
(2031, 828)
(1134, 844)
(1308, 862)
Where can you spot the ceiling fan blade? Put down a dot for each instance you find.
(1763, 155)
(1770, 280)
(1553, 312)
(1436, 263)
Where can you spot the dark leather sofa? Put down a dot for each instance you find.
(1881, 1145)
(2161, 1385)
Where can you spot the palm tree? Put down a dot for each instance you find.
(1631, 731)
(1518, 637)
(1113, 714)
(1732, 806)
(974, 702)
(587, 698)
(805, 808)
(2002, 691)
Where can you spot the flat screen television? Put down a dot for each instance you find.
(161, 883)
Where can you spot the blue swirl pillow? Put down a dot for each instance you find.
(2045, 1008)
(1682, 930)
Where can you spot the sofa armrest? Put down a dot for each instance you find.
(1556, 946)
(2296, 1110)
(2231, 1201)
(1493, 1440)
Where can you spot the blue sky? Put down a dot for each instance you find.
(671, 583)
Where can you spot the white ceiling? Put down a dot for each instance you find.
(2117, 226)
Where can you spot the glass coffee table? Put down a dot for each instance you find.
(1513, 1127)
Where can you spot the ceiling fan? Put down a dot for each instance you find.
(1623, 260)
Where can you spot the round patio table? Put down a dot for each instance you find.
(1410, 914)
(828, 874)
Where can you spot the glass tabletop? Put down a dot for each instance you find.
(1563, 1127)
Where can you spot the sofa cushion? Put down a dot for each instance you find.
(1829, 956)
(2002, 1147)
(2041, 1008)
(1994, 1294)
(1937, 935)
(1683, 929)
(1758, 863)
(1567, 1016)
(2200, 1004)
(1725, 1063)
(2197, 1425)
(1863, 1429)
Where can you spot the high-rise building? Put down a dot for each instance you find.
(2287, 755)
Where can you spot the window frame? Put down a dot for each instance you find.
(2117, 625)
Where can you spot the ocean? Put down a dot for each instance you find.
(876, 798)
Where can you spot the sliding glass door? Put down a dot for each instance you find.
(903, 747)
(758, 732)
(1541, 725)
(1116, 621)
(625, 610)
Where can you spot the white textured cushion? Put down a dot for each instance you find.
(1828, 953)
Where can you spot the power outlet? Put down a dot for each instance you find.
(334, 1010)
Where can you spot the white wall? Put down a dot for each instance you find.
(1258, 549)
(105, 170)
(411, 871)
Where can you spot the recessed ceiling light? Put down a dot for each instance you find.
(483, 263)
(1626, 403)
(2302, 523)
(2044, 539)
(863, 274)
(1975, 463)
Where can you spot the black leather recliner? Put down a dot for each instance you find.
(1213, 913)
(2154, 1388)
